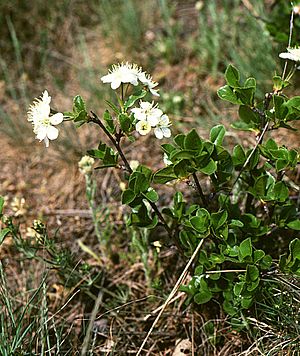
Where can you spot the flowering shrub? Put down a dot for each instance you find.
(249, 210)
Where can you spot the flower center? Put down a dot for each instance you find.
(45, 121)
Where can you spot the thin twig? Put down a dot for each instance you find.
(171, 295)
(94, 118)
(200, 191)
(251, 154)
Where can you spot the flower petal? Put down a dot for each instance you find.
(153, 120)
(107, 78)
(46, 98)
(41, 132)
(52, 132)
(115, 84)
(158, 133)
(286, 55)
(166, 132)
(56, 118)
(154, 92)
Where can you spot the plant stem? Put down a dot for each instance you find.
(200, 191)
(94, 118)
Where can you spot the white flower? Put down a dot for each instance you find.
(146, 79)
(86, 165)
(122, 73)
(143, 127)
(296, 9)
(147, 112)
(177, 99)
(134, 164)
(39, 116)
(292, 53)
(162, 128)
(166, 160)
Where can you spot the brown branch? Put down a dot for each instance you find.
(200, 191)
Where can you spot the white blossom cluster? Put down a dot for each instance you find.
(86, 165)
(149, 115)
(129, 73)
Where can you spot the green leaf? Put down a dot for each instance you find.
(279, 84)
(227, 93)
(217, 134)
(109, 122)
(281, 164)
(238, 156)
(125, 122)
(110, 157)
(193, 142)
(203, 296)
(81, 116)
(168, 148)
(151, 195)
(294, 248)
(281, 191)
(245, 248)
(182, 154)
(247, 115)
(79, 110)
(236, 223)
(133, 98)
(179, 140)
(238, 288)
(164, 175)
(260, 186)
(78, 104)
(294, 225)
(210, 168)
(112, 106)
(3, 233)
(138, 182)
(250, 83)
(266, 262)
(252, 273)
(246, 302)
(246, 95)
(69, 114)
(128, 196)
(201, 222)
(182, 168)
(241, 125)
(232, 76)
(218, 219)
(271, 144)
(280, 110)
(96, 153)
(293, 105)
(258, 255)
